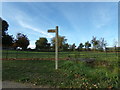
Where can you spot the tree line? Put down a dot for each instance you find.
(42, 44)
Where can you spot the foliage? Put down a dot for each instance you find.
(61, 42)
(102, 44)
(7, 40)
(4, 27)
(66, 47)
(95, 42)
(42, 44)
(84, 76)
(72, 47)
(22, 41)
(99, 44)
(87, 45)
(80, 47)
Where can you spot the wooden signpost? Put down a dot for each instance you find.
(56, 45)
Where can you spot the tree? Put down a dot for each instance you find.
(14, 45)
(72, 47)
(65, 47)
(4, 27)
(95, 43)
(61, 42)
(22, 41)
(102, 44)
(42, 44)
(87, 45)
(7, 40)
(80, 47)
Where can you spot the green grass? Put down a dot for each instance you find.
(30, 54)
(103, 73)
(69, 75)
(27, 54)
(32, 71)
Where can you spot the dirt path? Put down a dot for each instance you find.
(11, 84)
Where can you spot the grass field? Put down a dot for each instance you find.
(30, 54)
(102, 73)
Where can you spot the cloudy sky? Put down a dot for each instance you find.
(77, 21)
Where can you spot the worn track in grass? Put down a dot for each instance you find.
(11, 84)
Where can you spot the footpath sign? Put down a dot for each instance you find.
(56, 45)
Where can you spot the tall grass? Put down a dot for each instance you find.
(69, 75)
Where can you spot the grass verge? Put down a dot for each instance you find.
(69, 75)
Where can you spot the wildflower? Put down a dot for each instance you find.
(95, 85)
(61, 83)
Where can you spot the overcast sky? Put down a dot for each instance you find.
(78, 22)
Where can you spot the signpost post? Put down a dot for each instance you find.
(56, 45)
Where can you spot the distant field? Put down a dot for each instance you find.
(6, 54)
(103, 73)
